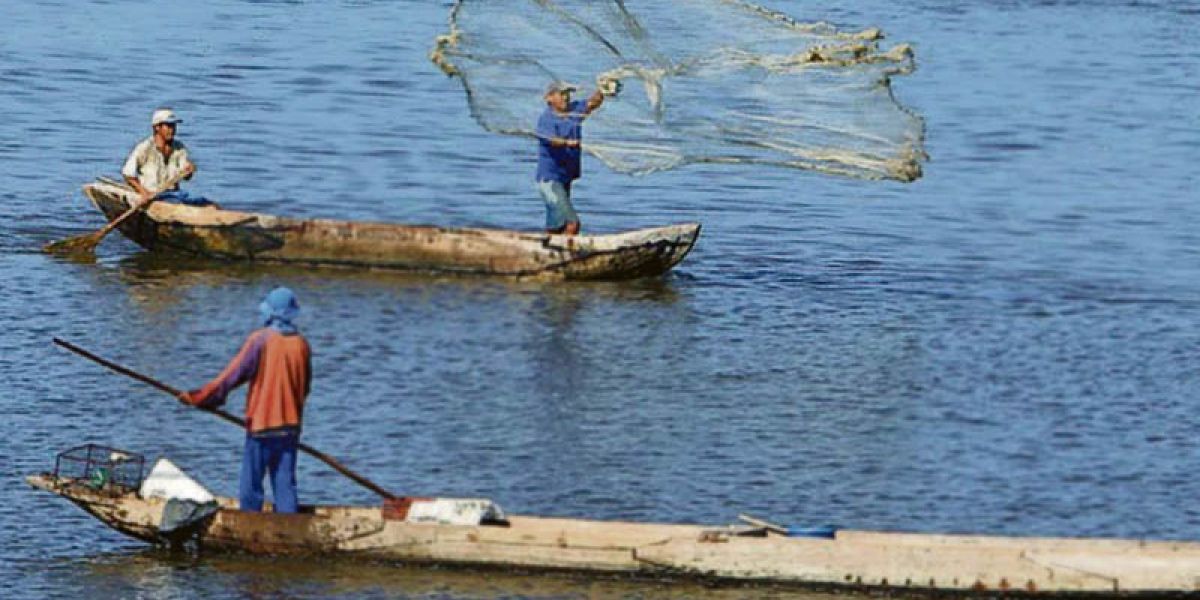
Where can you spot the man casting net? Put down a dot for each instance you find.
(704, 81)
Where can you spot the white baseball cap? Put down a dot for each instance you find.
(555, 87)
(164, 115)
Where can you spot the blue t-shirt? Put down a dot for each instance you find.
(560, 163)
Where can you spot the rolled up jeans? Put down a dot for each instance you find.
(557, 196)
(272, 454)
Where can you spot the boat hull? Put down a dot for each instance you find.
(894, 562)
(239, 236)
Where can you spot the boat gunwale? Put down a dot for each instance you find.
(685, 228)
(451, 546)
(650, 251)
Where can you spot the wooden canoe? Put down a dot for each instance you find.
(232, 235)
(863, 560)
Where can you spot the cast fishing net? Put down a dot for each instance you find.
(704, 81)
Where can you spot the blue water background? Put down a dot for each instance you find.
(1007, 346)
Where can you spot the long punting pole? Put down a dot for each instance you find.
(325, 458)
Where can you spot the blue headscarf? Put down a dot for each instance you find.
(278, 309)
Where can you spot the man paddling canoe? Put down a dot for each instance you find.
(276, 360)
(560, 133)
(156, 163)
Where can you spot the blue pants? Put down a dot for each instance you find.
(557, 196)
(182, 197)
(274, 455)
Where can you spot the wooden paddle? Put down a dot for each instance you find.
(325, 458)
(86, 244)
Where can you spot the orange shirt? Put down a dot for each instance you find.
(279, 369)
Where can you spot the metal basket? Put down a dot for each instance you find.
(102, 468)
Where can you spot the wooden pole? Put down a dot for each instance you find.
(325, 458)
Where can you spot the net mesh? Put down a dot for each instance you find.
(704, 81)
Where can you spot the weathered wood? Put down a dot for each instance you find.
(915, 563)
(767, 525)
(233, 235)
(87, 243)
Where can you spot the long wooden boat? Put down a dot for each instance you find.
(233, 235)
(873, 561)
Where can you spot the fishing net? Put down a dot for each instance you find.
(704, 81)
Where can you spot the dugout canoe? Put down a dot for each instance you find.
(241, 236)
(904, 563)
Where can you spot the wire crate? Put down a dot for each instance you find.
(102, 468)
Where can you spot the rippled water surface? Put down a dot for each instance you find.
(1006, 346)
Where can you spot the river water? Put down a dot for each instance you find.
(1006, 346)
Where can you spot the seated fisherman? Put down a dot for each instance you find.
(157, 162)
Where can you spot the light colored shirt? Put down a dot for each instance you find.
(150, 168)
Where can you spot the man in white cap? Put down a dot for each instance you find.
(559, 133)
(158, 159)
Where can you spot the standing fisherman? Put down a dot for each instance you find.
(560, 133)
(277, 362)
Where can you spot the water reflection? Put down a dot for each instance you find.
(556, 346)
(155, 279)
(126, 574)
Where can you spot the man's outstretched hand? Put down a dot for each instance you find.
(608, 86)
